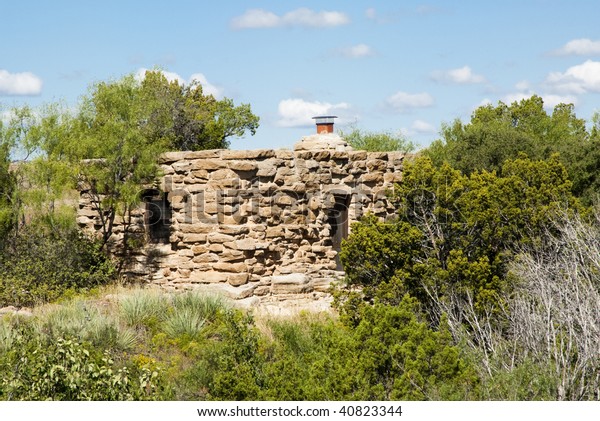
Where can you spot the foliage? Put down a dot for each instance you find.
(65, 369)
(123, 126)
(109, 146)
(115, 157)
(390, 355)
(80, 319)
(392, 352)
(454, 233)
(554, 313)
(497, 134)
(190, 120)
(143, 308)
(7, 190)
(545, 345)
(192, 312)
(377, 141)
(8, 183)
(40, 267)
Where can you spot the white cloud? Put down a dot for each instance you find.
(579, 47)
(25, 83)
(295, 112)
(6, 116)
(523, 85)
(426, 9)
(370, 13)
(550, 100)
(256, 18)
(170, 76)
(207, 87)
(357, 51)
(463, 75)
(516, 97)
(578, 79)
(421, 126)
(303, 17)
(403, 101)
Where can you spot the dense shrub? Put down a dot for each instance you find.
(454, 234)
(35, 368)
(42, 266)
(389, 355)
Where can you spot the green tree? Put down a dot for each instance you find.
(453, 236)
(7, 188)
(114, 156)
(188, 119)
(377, 141)
(499, 133)
(124, 125)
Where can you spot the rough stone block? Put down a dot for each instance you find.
(237, 279)
(246, 244)
(284, 154)
(248, 154)
(275, 231)
(372, 177)
(170, 157)
(199, 175)
(206, 258)
(181, 166)
(293, 283)
(216, 248)
(194, 238)
(208, 153)
(199, 248)
(376, 165)
(195, 228)
(242, 165)
(217, 237)
(230, 267)
(206, 164)
(208, 277)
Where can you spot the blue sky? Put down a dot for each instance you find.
(399, 66)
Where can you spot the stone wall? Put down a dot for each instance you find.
(264, 223)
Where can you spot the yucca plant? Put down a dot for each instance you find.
(7, 335)
(184, 322)
(191, 312)
(87, 322)
(208, 306)
(143, 308)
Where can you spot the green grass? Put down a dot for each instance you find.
(143, 308)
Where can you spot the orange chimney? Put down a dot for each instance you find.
(324, 123)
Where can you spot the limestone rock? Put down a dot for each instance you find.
(238, 279)
(329, 141)
(293, 283)
(208, 277)
(245, 244)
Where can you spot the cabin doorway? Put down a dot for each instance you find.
(337, 218)
(157, 216)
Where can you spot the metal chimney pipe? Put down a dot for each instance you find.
(324, 123)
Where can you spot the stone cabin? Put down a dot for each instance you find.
(263, 223)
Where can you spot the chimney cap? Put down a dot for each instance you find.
(324, 119)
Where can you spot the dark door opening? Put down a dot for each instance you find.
(337, 218)
(157, 217)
